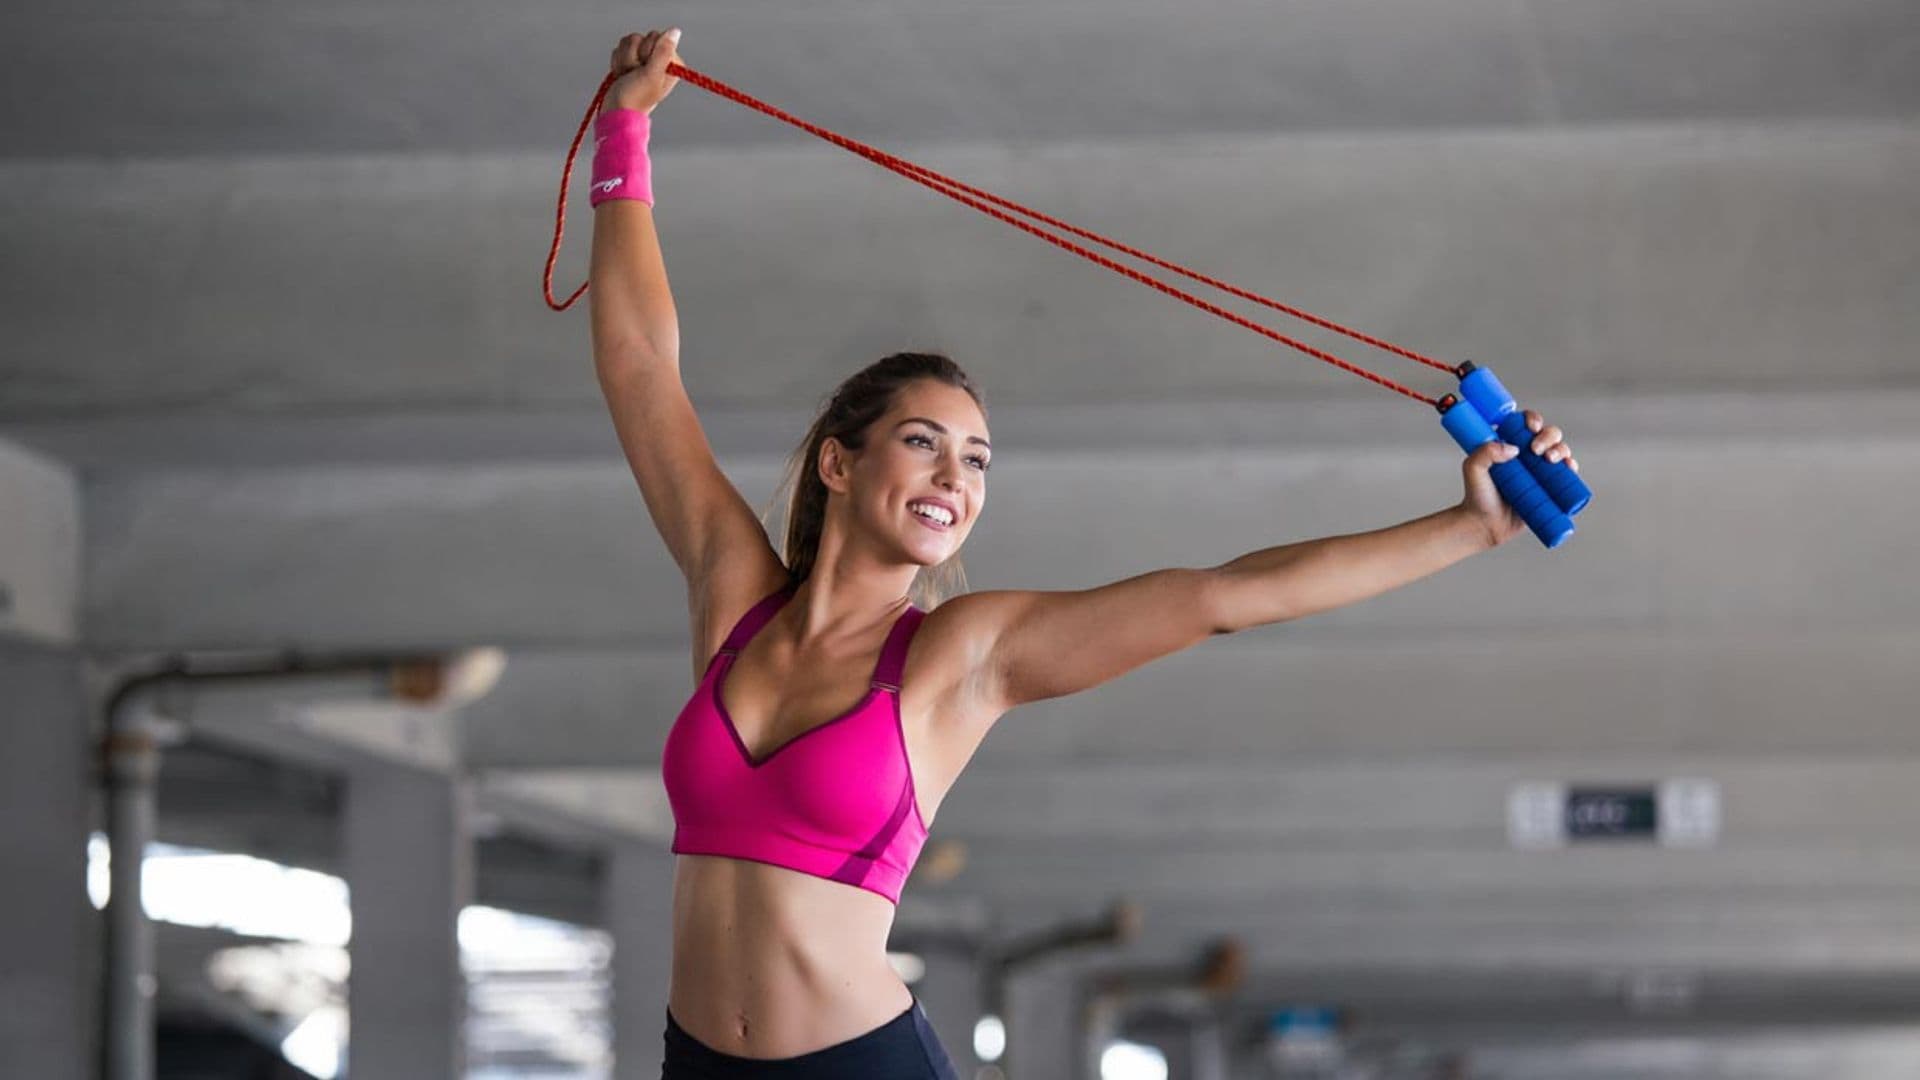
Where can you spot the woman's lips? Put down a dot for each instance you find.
(930, 523)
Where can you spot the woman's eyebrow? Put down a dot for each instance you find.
(941, 429)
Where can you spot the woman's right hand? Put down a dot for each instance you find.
(641, 62)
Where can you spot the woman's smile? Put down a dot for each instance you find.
(935, 514)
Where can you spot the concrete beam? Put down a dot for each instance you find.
(1316, 691)
(1696, 533)
(1657, 259)
(1217, 65)
(1365, 863)
(1354, 804)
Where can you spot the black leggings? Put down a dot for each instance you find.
(904, 1048)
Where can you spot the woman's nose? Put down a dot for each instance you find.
(948, 475)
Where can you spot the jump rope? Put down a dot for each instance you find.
(1546, 494)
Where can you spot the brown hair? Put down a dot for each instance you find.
(862, 399)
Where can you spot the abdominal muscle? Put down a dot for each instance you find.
(773, 963)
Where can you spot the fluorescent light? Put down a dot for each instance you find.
(1131, 1061)
(989, 1038)
(315, 1044)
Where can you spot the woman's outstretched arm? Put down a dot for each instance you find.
(1036, 645)
(1293, 581)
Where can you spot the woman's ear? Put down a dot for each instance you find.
(835, 465)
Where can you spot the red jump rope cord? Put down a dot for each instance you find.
(959, 192)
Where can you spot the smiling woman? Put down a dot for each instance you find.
(862, 399)
(845, 681)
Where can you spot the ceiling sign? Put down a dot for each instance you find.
(1671, 813)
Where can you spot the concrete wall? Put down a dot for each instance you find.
(49, 933)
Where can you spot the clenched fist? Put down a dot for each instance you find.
(641, 62)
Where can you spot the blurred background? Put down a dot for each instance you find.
(331, 620)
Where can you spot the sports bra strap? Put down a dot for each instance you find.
(893, 655)
(756, 617)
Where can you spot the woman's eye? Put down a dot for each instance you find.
(976, 461)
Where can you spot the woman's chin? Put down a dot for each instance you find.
(930, 554)
(928, 547)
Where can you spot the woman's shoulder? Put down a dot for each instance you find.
(959, 632)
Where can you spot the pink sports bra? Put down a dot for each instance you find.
(836, 801)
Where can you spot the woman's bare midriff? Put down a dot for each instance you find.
(773, 963)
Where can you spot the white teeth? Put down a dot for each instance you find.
(933, 513)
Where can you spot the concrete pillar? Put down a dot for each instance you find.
(1195, 1050)
(950, 994)
(1043, 1025)
(638, 907)
(1208, 1053)
(409, 870)
(48, 930)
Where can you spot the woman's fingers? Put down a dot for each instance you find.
(640, 61)
(1549, 441)
(632, 51)
(623, 53)
(1556, 450)
(663, 51)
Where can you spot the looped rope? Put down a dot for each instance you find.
(978, 199)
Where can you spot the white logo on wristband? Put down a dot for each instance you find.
(606, 186)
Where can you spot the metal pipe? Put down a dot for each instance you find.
(132, 768)
(130, 760)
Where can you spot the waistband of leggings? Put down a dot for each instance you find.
(681, 1043)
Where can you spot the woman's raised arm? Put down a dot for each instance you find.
(705, 522)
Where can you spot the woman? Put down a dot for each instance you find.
(817, 668)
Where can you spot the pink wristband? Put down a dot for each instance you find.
(620, 166)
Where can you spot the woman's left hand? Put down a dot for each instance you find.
(1483, 500)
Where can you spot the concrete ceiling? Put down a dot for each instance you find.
(213, 77)
(270, 289)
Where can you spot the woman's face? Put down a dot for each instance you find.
(921, 479)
